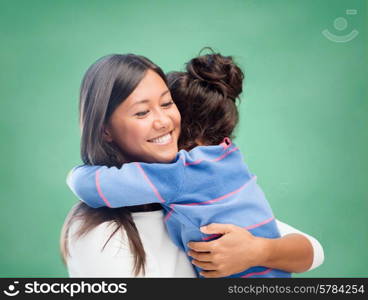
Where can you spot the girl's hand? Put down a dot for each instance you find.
(234, 252)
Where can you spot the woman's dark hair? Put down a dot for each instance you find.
(206, 97)
(106, 84)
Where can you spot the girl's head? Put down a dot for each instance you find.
(206, 97)
(126, 112)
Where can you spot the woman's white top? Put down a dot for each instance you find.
(163, 257)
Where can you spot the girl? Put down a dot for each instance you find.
(169, 134)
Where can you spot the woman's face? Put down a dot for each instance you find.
(146, 126)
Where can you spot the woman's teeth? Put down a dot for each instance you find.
(162, 139)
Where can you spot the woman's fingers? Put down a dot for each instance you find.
(203, 265)
(217, 228)
(211, 274)
(235, 251)
(213, 228)
(202, 246)
(201, 256)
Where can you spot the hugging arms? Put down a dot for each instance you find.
(132, 118)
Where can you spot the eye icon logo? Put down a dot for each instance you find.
(12, 291)
(341, 24)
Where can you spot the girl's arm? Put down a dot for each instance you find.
(238, 250)
(132, 184)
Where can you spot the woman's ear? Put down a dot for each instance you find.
(107, 134)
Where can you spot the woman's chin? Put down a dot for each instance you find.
(163, 153)
(164, 156)
(168, 158)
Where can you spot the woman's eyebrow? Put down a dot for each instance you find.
(147, 100)
(164, 93)
(140, 101)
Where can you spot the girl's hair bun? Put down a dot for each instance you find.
(206, 96)
(218, 73)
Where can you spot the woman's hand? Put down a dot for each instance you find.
(234, 252)
(237, 250)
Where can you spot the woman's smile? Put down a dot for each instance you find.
(162, 139)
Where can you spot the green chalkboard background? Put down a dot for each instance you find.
(303, 127)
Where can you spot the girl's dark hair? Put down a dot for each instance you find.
(106, 84)
(206, 97)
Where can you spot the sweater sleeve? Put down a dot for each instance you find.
(318, 253)
(132, 184)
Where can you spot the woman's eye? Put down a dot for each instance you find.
(167, 104)
(141, 113)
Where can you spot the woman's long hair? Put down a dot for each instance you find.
(106, 84)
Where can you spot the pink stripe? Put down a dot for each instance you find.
(213, 160)
(210, 237)
(213, 200)
(169, 214)
(259, 224)
(149, 182)
(192, 163)
(226, 154)
(224, 196)
(99, 189)
(257, 273)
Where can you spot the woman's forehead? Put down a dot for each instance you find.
(151, 87)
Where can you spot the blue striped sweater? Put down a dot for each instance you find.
(209, 184)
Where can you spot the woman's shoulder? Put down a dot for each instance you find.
(100, 252)
(108, 239)
(96, 237)
(88, 258)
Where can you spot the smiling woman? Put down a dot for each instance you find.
(146, 126)
(105, 87)
(127, 115)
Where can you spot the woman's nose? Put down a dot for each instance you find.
(162, 120)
